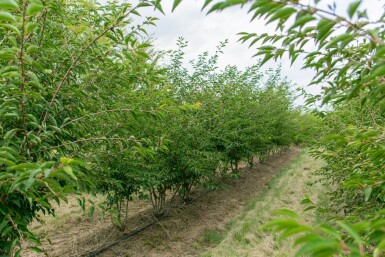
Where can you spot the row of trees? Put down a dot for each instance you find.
(87, 107)
(346, 52)
(208, 120)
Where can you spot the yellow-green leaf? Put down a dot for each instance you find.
(10, 27)
(32, 48)
(9, 5)
(34, 8)
(69, 171)
(6, 16)
(30, 27)
(354, 234)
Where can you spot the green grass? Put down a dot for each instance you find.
(213, 237)
(245, 236)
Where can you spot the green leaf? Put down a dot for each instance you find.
(303, 20)
(324, 245)
(283, 13)
(175, 5)
(32, 48)
(11, 27)
(157, 5)
(143, 54)
(25, 166)
(144, 4)
(134, 12)
(6, 16)
(7, 155)
(69, 171)
(353, 8)
(306, 200)
(220, 6)
(311, 207)
(378, 70)
(330, 231)
(34, 8)
(10, 134)
(343, 37)
(9, 5)
(207, 2)
(33, 77)
(144, 45)
(266, 58)
(30, 27)
(7, 162)
(368, 193)
(36, 249)
(324, 27)
(380, 52)
(286, 212)
(351, 231)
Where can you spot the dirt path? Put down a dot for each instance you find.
(246, 236)
(186, 231)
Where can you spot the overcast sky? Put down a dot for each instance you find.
(204, 32)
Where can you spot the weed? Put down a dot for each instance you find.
(213, 237)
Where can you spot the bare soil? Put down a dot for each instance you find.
(179, 233)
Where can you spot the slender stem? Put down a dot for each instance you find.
(126, 209)
(74, 64)
(42, 30)
(23, 73)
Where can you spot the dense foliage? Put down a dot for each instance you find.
(54, 61)
(346, 51)
(87, 107)
(222, 117)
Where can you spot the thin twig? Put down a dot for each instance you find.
(160, 224)
(106, 247)
(23, 75)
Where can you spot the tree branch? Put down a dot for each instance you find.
(74, 64)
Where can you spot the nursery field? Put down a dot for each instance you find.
(111, 146)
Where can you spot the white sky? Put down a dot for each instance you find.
(204, 32)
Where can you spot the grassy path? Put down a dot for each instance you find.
(246, 237)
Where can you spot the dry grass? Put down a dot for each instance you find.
(246, 236)
(192, 229)
(187, 231)
(66, 212)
